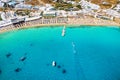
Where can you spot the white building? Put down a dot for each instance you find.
(88, 5)
(61, 13)
(19, 0)
(8, 15)
(35, 14)
(5, 23)
(112, 13)
(49, 13)
(42, 8)
(32, 18)
(49, 7)
(23, 6)
(71, 2)
(71, 14)
(1, 4)
(117, 8)
(6, 1)
(46, 8)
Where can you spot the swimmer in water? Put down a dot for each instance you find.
(23, 58)
(58, 66)
(63, 71)
(0, 71)
(31, 44)
(8, 55)
(17, 69)
(25, 54)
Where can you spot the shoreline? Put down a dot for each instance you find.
(71, 22)
(57, 25)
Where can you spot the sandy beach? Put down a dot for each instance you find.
(92, 21)
(69, 21)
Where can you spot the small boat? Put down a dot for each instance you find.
(53, 63)
(63, 31)
(23, 58)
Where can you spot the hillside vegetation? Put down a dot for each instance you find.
(109, 1)
(109, 4)
(37, 2)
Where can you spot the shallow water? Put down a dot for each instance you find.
(84, 53)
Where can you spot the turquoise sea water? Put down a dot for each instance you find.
(84, 53)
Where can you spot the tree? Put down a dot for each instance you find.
(0, 18)
(79, 6)
(60, 1)
(69, 5)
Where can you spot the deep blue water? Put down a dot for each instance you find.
(85, 53)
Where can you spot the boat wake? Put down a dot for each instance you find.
(73, 45)
(78, 68)
(63, 31)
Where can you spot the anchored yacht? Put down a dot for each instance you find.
(54, 63)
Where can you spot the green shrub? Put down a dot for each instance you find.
(79, 6)
(63, 5)
(0, 18)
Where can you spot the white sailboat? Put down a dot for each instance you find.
(54, 63)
